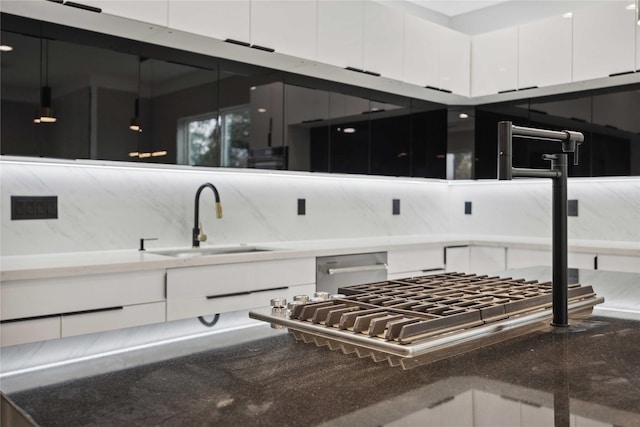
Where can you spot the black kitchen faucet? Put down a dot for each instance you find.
(570, 142)
(198, 234)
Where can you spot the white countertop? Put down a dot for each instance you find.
(24, 267)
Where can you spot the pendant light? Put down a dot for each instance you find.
(45, 113)
(134, 125)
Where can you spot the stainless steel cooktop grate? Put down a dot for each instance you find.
(429, 315)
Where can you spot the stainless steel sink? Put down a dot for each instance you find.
(200, 252)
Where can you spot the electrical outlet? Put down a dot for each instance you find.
(467, 208)
(396, 206)
(34, 207)
(572, 208)
(302, 206)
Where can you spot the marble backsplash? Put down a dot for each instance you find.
(111, 205)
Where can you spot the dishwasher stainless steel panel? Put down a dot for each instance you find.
(333, 272)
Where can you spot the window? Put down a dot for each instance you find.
(211, 140)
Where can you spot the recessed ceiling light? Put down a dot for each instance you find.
(349, 130)
(568, 15)
(252, 88)
(463, 116)
(262, 110)
(5, 48)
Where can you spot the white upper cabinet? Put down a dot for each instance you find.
(152, 11)
(340, 28)
(494, 62)
(637, 47)
(421, 52)
(383, 40)
(289, 27)
(544, 52)
(603, 40)
(223, 19)
(454, 62)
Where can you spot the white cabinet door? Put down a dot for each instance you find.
(24, 331)
(454, 62)
(581, 260)
(340, 28)
(39, 297)
(519, 258)
(421, 52)
(414, 262)
(494, 62)
(487, 259)
(152, 11)
(108, 320)
(628, 263)
(289, 27)
(383, 33)
(457, 259)
(544, 52)
(220, 19)
(184, 308)
(637, 47)
(196, 291)
(603, 40)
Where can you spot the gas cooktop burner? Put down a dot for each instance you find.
(414, 321)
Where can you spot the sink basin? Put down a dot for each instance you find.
(200, 252)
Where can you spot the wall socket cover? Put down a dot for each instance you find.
(34, 207)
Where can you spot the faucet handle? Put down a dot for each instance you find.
(575, 155)
(218, 210)
(201, 236)
(143, 240)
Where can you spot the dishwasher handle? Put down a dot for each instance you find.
(357, 269)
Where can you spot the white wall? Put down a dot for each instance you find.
(111, 205)
(608, 208)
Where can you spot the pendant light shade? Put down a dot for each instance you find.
(45, 113)
(134, 124)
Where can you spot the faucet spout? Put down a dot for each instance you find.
(570, 141)
(198, 235)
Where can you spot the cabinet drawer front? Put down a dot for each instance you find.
(24, 331)
(415, 260)
(30, 298)
(117, 318)
(519, 258)
(183, 308)
(627, 263)
(238, 278)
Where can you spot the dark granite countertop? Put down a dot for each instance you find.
(584, 375)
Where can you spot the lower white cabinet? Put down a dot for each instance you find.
(184, 308)
(457, 259)
(41, 309)
(58, 295)
(414, 262)
(487, 259)
(199, 291)
(25, 331)
(586, 260)
(520, 258)
(110, 319)
(476, 259)
(626, 263)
